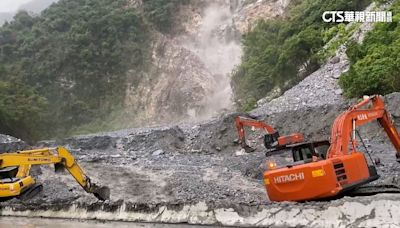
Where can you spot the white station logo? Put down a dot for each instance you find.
(289, 178)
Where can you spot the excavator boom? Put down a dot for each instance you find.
(344, 127)
(60, 157)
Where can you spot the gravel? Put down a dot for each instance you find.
(182, 164)
(188, 164)
(320, 88)
(9, 143)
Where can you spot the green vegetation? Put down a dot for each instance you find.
(342, 33)
(67, 66)
(65, 70)
(279, 53)
(20, 108)
(375, 64)
(162, 13)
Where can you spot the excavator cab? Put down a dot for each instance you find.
(302, 154)
(12, 185)
(306, 151)
(8, 173)
(271, 140)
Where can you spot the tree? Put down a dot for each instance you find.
(375, 66)
(74, 56)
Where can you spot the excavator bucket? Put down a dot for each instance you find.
(101, 192)
(247, 148)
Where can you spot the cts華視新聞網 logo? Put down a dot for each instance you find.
(357, 16)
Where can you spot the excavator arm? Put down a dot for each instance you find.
(240, 122)
(343, 134)
(61, 159)
(272, 140)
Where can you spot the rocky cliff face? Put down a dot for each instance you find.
(248, 12)
(174, 88)
(189, 79)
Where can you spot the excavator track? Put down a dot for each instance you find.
(31, 192)
(375, 189)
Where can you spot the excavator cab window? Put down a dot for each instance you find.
(322, 150)
(305, 152)
(271, 139)
(302, 154)
(8, 172)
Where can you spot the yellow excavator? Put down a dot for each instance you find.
(15, 180)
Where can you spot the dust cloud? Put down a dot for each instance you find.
(217, 44)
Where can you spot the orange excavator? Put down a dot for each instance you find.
(272, 140)
(342, 169)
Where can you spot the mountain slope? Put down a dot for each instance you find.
(105, 65)
(74, 57)
(280, 53)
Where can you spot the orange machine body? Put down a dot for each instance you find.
(344, 167)
(290, 139)
(323, 179)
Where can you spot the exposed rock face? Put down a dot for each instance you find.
(216, 43)
(175, 88)
(248, 12)
(189, 80)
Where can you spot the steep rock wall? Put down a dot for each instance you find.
(189, 78)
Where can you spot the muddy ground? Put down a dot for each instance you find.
(173, 167)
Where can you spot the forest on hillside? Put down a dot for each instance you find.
(66, 67)
(375, 64)
(281, 52)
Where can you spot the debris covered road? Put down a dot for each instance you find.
(197, 174)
